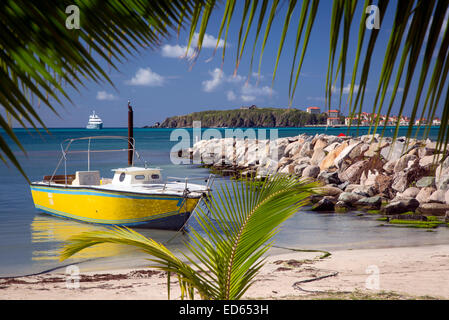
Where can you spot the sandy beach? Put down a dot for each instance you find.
(386, 273)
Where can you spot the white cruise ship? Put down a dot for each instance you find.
(94, 122)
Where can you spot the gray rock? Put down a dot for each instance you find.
(351, 187)
(443, 182)
(343, 185)
(433, 209)
(329, 177)
(393, 152)
(403, 162)
(353, 173)
(317, 157)
(311, 171)
(371, 203)
(424, 194)
(438, 196)
(397, 207)
(400, 181)
(366, 191)
(411, 192)
(341, 207)
(298, 169)
(349, 197)
(416, 217)
(446, 196)
(330, 191)
(324, 204)
(425, 182)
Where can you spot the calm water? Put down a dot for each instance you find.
(30, 240)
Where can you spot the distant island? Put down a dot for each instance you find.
(252, 116)
(246, 117)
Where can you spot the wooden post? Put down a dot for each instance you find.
(130, 136)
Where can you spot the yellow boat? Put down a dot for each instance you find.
(135, 196)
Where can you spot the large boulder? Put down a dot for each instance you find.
(375, 148)
(383, 185)
(329, 177)
(401, 206)
(424, 194)
(349, 198)
(370, 203)
(298, 169)
(317, 156)
(403, 162)
(344, 154)
(400, 181)
(330, 191)
(438, 196)
(433, 209)
(394, 151)
(443, 182)
(411, 192)
(353, 173)
(320, 144)
(328, 161)
(311, 171)
(425, 182)
(325, 204)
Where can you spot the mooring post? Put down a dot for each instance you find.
(130, 136)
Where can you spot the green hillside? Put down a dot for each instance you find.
(264, 117)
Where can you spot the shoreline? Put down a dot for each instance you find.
(402, 273)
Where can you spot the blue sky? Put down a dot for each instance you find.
(161, 84)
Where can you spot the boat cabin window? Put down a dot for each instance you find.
(140, 177)
(122, 177)
(155, 176)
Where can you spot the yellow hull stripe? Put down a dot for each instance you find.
(108, 208)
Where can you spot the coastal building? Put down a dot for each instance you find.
(333, 117)
(436, 122)
(352, 121)
(252, 107)
(421, 122)
(314, 110)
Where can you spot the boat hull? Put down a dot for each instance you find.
(114, 207)
(95, 126)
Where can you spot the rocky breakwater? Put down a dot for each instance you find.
(357, 173)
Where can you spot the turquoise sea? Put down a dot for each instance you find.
(30, 240)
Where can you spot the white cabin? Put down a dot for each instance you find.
(136, 175)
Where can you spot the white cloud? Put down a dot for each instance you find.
(208, 41)
(246, 98)
(245, 93)
(146, 77)
(103, 95)
(231, 95)
(347, 88)
(217, 80)
(256, 91)
(177, 51)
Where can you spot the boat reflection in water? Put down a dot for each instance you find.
(49, 234)
(55, 231)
